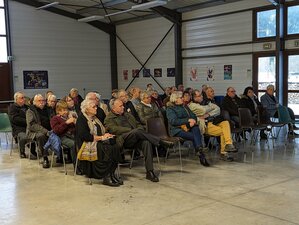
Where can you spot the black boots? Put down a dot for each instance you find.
(107, 180)
(202, 157)
(150, 175)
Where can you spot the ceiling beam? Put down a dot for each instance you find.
(108, 28)
(92, 8)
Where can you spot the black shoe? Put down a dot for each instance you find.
(263, 136)
(107, 181)
(226, 158)
(116, 179)
(202, 149)
(23, 155)
(46, 164)
(203, 160)
(166, 144)
(150, 175)
(230, 148)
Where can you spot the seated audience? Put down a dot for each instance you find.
(231, 103)
(90, 129)
(38, 125)
(181, 87)
(102, 105)
(149, 87)
(63, 125)
(100, 112)
(135, 95)
(186, 97)
(131, 134)
(209, 96)
(271, 103)
(146, 109)
(17, 116)
(129, 107)
(183, 123)
(205, 115)
(51, 105)
(48, 93)
(71, 106)
(204, 88)
(156, 99)
(165, 94)
(167, 99)
(74, 94)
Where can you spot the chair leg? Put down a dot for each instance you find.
(65, 170)
(76, 164)
(52, 159)
(132, 158)
(180, 153)
(158, 159)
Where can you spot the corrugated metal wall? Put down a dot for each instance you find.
(226, 29)
(142, 38)
(74, 54)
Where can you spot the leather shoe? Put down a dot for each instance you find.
(230, 148)
(116, 179)
(150, 175)
(166, 144)
(107, 181)
(226, 158)
(46, 164)
(23, 155)
(203, 160)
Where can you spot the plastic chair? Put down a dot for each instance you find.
(236, 132)
(5, 127)
(52, 159)
(156, 126)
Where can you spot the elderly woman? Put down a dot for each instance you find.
(250, 101)
(156, 99)
(183, 123)
(146, 109)
(90, 129)
(51, 105)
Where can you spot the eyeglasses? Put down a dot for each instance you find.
(232, 91)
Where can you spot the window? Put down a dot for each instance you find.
(293, 82)
(2, 3)
(3, 49)
(266, 73)
(2, 22)
(3, 41)
(293, 20)
(266, 24)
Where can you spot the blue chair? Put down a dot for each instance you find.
(285, 118)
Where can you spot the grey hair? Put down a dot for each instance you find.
(271, 86)
(120, 91)
(175, 95)
(144, 94)
(37, 96)
(85, 104)
(16, 95)
(88, 95)
(74, 90)
(52, 97)
(111, 103)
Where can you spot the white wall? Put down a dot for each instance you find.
(227, 29)
(142, 38)
(74, 54)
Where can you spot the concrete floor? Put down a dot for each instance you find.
(262, 191)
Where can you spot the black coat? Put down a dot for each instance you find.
(248, 103)
(17, 116)
(230, 106)
(129, 107)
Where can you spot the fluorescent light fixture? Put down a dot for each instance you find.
(148, 5)
(114, 2)
(48, 5)
(116, 13)
(90, 18)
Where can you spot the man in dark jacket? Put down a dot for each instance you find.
(231, 103)
(130, 134)
(128, 105)
(17, 116)
(38, 125)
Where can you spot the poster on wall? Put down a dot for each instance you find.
(135, 73)
(158, 72)
(228, 72)
(210, 73)
(193, 74)
(170, 72)
(146, 72)
(125, 74)
(35, 79)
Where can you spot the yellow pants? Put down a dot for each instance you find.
(223, 130)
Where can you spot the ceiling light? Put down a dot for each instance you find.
(90, 18)
(48, 5)
(148, 5)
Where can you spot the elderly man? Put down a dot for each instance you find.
(17, 116)
(130, 134)
(38, 125)
(231, 103)
(207, 113)
(208, 96)
(100, 112)
(135, 95)
(128, 105)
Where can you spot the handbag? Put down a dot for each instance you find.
(218, 119)
(88, 151)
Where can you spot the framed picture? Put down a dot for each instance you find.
(158, 72)
(125, 74)
(228, 70)
(146, 72)
(35, 79)
(135, 73)
(170, 72)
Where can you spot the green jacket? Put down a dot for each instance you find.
(114, 126)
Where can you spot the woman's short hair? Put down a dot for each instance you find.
(61, 105)
(145, 94)
(247, 89)
(86, 104)
(175, 95)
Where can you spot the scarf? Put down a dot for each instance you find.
(92, 121)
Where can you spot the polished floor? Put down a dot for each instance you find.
(262, 190)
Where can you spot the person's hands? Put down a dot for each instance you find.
(70, 120)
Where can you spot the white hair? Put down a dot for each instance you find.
(86, 104)
(16, 95)
(175, 95)
(52, 97)
(36, 97)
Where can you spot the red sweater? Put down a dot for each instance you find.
(59, 126)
